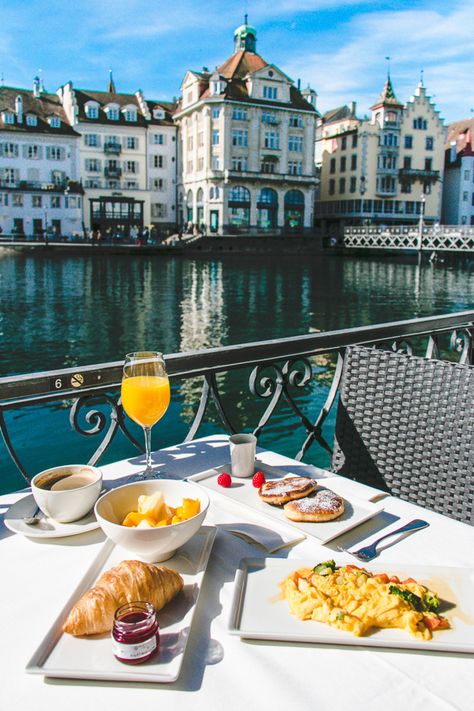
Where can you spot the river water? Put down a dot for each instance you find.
(59, 311)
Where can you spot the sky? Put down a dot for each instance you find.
(339, 48)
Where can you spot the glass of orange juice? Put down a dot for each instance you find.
(145, 394)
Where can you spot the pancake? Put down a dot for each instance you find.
(279, 491)
(323, 506)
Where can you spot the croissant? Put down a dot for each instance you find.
(130, 581)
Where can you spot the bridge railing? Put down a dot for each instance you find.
(436, 238)
(280, 371)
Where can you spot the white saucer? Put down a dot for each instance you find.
(47, 527)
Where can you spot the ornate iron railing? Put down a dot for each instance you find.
(280, 369)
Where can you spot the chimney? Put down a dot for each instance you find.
(353, 108)
(299, 84)
(19, 109)
(36, 87)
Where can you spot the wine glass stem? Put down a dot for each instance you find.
(149, 469)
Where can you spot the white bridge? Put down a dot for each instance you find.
(439, 238)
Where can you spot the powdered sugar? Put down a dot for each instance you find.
(282, 487)
(324, 501)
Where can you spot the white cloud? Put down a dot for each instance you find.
(440, 43)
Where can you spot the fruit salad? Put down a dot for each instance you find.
(153, 511)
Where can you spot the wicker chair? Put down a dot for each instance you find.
(406, 425)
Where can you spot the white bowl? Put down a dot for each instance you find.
(68, 504)
(152, 545)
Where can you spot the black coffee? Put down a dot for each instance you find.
(48, 482)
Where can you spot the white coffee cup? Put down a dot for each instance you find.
(242, 454)
(67, 493)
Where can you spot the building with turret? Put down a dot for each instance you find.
(246, 145)
(385, 169)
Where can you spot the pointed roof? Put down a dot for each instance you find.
(338, 114)
(461, 134)
(387, 97)
(240, 64)
(111, 89)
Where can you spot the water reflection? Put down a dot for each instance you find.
(58, 311)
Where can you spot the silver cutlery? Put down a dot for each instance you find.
(368, 552)
(34, 518)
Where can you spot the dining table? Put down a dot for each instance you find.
(222, 670)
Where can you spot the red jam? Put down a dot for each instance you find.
(135, 634)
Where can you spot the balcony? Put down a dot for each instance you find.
(418, 174)
(258, 176)
(28, 185)
(110, 172)
(113, 149)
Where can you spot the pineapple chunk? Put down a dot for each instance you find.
(152, 506)
(145, 523)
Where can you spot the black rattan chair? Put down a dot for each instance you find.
(406, 425)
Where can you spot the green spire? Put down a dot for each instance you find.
(111, 89)
(245, 38)
(387, 97)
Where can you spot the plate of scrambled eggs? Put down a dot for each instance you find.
(417, 607)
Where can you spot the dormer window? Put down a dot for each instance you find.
(112, 111)
(158, 114)
(130, 113)
(31, 120)
(92, 111)
(270, 92)
(8, 117)
(217, 87)
(54, 122)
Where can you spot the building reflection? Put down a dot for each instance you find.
(203, 321)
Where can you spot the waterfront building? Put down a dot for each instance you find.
(246, 146)
(458, 186)
(384, 169)
(40, 192)
(127, 160)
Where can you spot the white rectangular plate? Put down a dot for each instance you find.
(258, 612)
(243, 492)
(61, 655)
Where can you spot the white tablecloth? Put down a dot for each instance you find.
(221, 671)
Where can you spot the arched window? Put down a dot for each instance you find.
(239, 194)
(239, 208)
(211, 193)
(268, 196)
(294, 210)
(112, 111)
(189, 206)
(92, 110)
(200, 207)
(267, 209)
(130, 113)
(294, 197)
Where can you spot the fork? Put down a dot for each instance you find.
(368, 552)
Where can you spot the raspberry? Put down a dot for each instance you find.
(224, 480)
(258, 480)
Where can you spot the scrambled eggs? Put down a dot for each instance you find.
(352, 599)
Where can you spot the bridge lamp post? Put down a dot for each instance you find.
(420, 223)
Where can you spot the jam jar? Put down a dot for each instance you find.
(135, 634)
